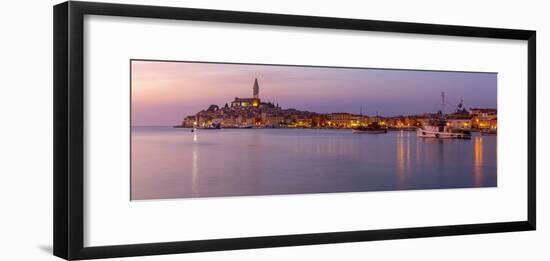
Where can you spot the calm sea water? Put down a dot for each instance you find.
(178, 163)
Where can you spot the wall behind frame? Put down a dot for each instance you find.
(26, 148)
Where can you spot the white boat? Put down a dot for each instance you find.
(442, 132)
(438, 129)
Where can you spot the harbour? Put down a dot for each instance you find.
(177, 163)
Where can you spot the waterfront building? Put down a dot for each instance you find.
(459, 120)
(273, 121)
(303, 123)
(483, 118)
(459, 123)
(319, 120)
(340, 119)
(363, 120)
(423, 120)
(483, 112)
(394, 122)
(229, 122)
(411, 121)
(355, 120)
(203, 119)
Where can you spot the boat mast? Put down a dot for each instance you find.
(442, 103)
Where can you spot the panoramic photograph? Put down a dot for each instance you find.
(203, 129)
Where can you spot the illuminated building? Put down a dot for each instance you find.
(341, 119)
(249, 102)
(459, 120)
(484, 118)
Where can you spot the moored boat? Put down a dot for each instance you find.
(437, 128)
(441, 131)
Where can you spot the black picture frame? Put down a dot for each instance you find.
(69, 128)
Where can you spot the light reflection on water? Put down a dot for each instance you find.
(403, 157)
(178, 163)
(478, 173)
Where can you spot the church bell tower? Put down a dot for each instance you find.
(256, 89)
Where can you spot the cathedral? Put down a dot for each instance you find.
(249, 102)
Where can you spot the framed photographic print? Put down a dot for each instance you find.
(183, 130)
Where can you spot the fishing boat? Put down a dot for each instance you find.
(439, 130)
(437, 127)
(372, 128)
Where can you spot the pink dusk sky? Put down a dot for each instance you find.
(163, 93)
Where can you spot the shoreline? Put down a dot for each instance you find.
(279, 128)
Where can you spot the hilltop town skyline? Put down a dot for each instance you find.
(163, 93)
